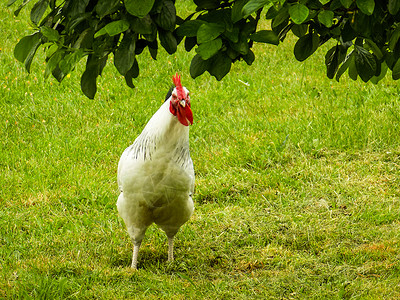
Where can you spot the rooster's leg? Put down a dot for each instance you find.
(136, 247)
(170, 248)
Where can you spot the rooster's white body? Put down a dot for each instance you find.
(156, 179)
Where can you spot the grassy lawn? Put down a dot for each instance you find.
(297, 182)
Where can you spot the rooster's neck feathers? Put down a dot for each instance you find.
(162, 136)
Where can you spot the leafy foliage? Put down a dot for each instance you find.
(222, 32)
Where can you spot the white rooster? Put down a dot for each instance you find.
(155, 173)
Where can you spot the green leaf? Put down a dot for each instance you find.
(113, 28)
(144, 25)
(391, 59)
(140, 45)
(220, 66)
(300, 30)
(237, 10)
(396, 70)
(232, 53)
(254, 5)
(50, 33)
(88, 83)
(298, 12)
(153, 52)
(374, 48)
(190, 42)
(207, 4)
(344, 66)
(26, 48)
(125, 54)
(51, 50)
(189, 28)
(306, 46)
(265, 36)
(156, 9)
(78, 19)
(139, 8)
(249, 57)
(346, 3)
(18, 10)
(38, 10)
(167, 16)
(153, 36)
(323, 2)
(209, 31)
(198, 66)
(153, 49)
(85, 39)
(94, 66)
(394, 38)
(365, 63)
(281, 17)
(209, 49)
(348, 33)
(366, 6)
(101, 32)
(382, 74)
(362, 25)
(75, 8)
(105, 7)
(53, 62)
(394, 6)
(69, 61)
(331, 62)
(272, 12)
(232, 35)
(325, 17)
(168, 41)
(353, 74)
(132, 73)
(242, 46)
(57, 74)
(333, 59)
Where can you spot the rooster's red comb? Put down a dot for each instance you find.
(179, 89)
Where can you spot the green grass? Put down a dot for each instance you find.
(297, 187)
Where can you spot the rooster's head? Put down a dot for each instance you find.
(180, 102)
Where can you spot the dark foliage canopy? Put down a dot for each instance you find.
(222, 32)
